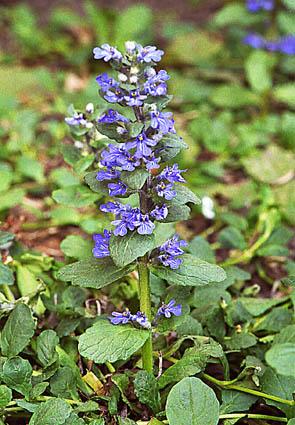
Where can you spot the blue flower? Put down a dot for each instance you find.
(135, 98)
(109, 174)
(107, 53)
(114, 156)
(117, 189)
(114, 96)
(172, 174)
(256, 5)
(162, 121)
(160, 212)
(170, 309)
(112, 116)
(286, 45)
(121, 318)
(254, 40)
(101, 247)
(156, 85)
(113, 207)
(142, 144)
(149, 54)
(76, 119)
(144, 225)
(170, 251)
(166, 190)
(151, 162)
(141, 319)
(105, 82)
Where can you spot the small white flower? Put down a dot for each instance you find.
(134, 70)
(89, 125)
(133, 79)
(122, 77)
(208, 207)
(89, 108)
(130, 45)
(78, 144)
(120, 130)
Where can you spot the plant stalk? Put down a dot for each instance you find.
(145, 307)
(252, 416)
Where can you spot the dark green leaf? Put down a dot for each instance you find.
(17, 374)
(125, 249)
(6, 275)
(192, 402)
(106, 342)
(231, 237)
(200, 248)
(17, 331)
(63, 383)
(46, 347)
(5, 396)
(134, 179)
(94, 273)
(147, 391)
(52, 412)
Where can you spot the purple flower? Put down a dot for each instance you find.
(166, 190)
(271, 46)
(112, 116)
(121, 318)
(101, 247)
(107, 53)
(254, 40)
(151, 162)
(156, 85)
(162, 121)
(114, 156)
(109, 174)
(126, 220)
(256, 5)
(287, 45)
(141, 319)
(149, 54)
(135, 98)
(142, 144)
(144, 225)
(117, 189)
(114, 96)
(160, 212)
(170, 251)
(105, 82)
(113, 207)
(169, 309)
(172, 174)
(76, 119)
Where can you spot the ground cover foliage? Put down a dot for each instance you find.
(229, 357)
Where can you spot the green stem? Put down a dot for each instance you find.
(145, 307)
(8, 293)
(252, 416)
(228, 385)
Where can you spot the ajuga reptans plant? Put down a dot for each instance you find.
(136, 164)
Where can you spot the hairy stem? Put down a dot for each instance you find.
(145, 307)
(252, 416)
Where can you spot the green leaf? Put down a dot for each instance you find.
(75, 196)
(11, 198)
(76, 246)
(193, 361)
(93, 273)
(31, 168)
(46, 347)
(18, 331)
(233, 96)
(192, 272)
(258, 70)
(94, 184)
(280, 386)
(192, 402)
(5, 396)
(106, 342)
(231, 237)
(170, 145)
(287, 334)
(281, 357)
(241, 341)
(17, 374)
(234, 401)
(125, 249)
(184, 196)
(63, 383)
(52, 412)
(147, 391)
(6, 275)
(285, 93)
(258, 306)
(6, 239)
(270, 166)
(134, 179)
(200, 248)
(177, 213)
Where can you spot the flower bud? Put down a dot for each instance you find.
(122, 77)
(130, 46)
(89, 108)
